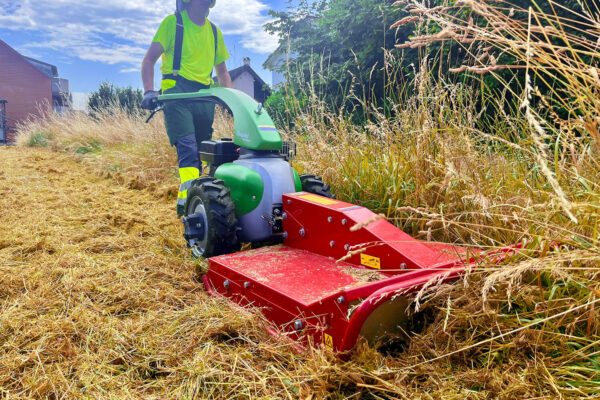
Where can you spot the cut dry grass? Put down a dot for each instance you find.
(100, 300)
(100, 288)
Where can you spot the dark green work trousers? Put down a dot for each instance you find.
(184, 118)
(188, 124)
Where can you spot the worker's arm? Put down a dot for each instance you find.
(223, 75)
(150, 59)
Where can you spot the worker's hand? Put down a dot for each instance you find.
(150, 100)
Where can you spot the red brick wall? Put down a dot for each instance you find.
(25, 88)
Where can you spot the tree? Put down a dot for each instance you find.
(339, 48)
(108, 96)
(343, 47)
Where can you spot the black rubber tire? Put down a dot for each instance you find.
(315, 185)
(219, 210)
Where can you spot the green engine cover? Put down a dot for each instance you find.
(245, 184)
(297, 181)
(253, 128)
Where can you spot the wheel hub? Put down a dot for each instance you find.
(196, 232)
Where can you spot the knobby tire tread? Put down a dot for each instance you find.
(220, 211)
(315, 185)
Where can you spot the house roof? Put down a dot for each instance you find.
(47, 69)
(17, 54)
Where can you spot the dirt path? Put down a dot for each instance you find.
(98, 296)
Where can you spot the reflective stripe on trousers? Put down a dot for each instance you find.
(187, 155)
(187, 176)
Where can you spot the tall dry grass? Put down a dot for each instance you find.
(532, 176)
(121, 146)
(525, 329)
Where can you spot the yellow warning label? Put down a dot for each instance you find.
(370, 261)
(318, 199)
(328, 341)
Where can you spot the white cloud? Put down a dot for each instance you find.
(119, 32)
(246, 18)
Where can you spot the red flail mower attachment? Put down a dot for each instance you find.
(307, 292)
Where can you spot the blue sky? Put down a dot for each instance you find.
(95, 41)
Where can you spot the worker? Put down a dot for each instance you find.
(187, 66)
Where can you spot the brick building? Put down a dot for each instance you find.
(29, 87)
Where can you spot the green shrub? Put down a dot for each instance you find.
(92, 147)
(39, 139)
(108, 96)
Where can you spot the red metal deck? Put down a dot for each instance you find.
(324, 226)
(301, 275)
(306, 293)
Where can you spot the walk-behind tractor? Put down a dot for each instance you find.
(333, 271)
